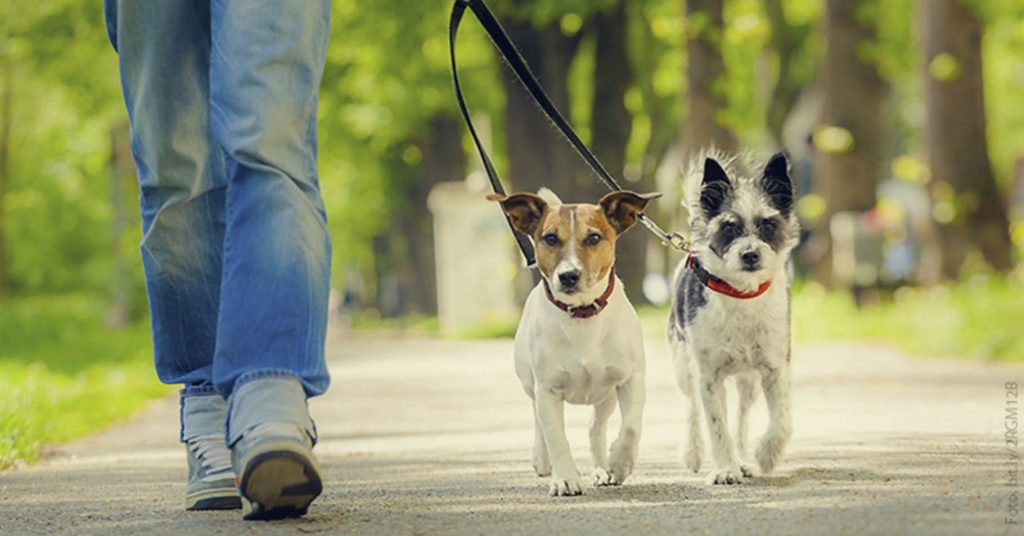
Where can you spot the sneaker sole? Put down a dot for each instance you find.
(278, 484)
(215, 499)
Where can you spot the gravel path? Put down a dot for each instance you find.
(433, 437)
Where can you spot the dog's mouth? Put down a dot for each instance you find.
(748, 268)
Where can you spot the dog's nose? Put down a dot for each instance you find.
(750, 258)
(569, 279)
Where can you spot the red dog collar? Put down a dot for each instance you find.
(718, 285)
(584, 311)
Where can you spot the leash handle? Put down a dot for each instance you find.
(458, 9)
(515, 61)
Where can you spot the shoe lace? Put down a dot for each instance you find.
(211, 452)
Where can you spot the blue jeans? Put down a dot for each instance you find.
(222, 99)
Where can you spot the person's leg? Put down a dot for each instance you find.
(163, 50)
(266, 64)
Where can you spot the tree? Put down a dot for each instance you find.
(969, 206)
(537, 154)
(789, 43)
(610, 127)
(440, 158)
(705, 77)
(851, 139)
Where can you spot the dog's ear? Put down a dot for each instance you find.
(777, 184)
(715, 188)
(524, 210)
(620, 208)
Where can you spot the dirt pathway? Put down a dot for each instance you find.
(433, 437)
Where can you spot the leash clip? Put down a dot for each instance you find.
(677, 241)
(673, 240)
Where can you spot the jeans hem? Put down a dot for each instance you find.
(262, 374)
(281, 398)
(198, 390)
(194, 393)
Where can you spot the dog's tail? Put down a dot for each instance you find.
(548, 196)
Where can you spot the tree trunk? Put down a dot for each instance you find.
(848, 168)
(611, 124)
(665, 129)
(5, 164)
(442, 160)
(957, 146)
(786, 42)
(537, 153)
(705, 73)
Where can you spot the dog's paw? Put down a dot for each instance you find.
(565, 487)
(692, 459)
(726, 477)
(620, 467)
(604, 478)
(768, 454)
(746, 471)
(622, 460)
(542, 467)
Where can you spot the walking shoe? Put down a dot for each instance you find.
(211, 480)
(278, 477)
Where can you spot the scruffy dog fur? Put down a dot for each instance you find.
(743, 230)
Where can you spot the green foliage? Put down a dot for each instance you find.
(746, 33)
(387, 75)
(63, 374)
(65, 99)
(1003, 66)
(980, 318)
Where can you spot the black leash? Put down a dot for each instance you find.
(515, 61)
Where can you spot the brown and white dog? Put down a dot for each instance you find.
(579, 340)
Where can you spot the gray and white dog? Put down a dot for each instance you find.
(730, 311)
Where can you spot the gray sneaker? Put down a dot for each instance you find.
(211, 480)
(278, 477)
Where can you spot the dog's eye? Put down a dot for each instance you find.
(731, 229)
(592, 239)
(767, 225)
(550, 239)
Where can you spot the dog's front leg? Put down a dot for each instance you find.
(598, 442)
(776, 385)
(726, 470)
(565, 479)
(541, 460)
(624, 450)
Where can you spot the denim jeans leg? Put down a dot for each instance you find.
(265, 69)
(203, 412)
(265, 397)
(163, 52)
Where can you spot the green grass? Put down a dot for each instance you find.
(982, 318)
(63, 374)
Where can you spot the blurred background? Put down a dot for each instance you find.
(903, 121)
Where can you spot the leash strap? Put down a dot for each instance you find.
(515, 61)
(458, 9)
